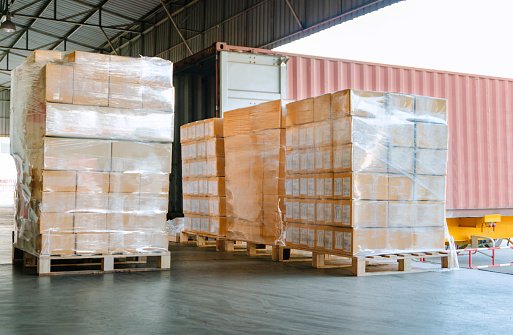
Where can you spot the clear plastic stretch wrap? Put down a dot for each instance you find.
(203, 160)
(366, 173)
(92, 139)
(254, 156)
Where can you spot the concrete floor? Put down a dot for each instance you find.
(209, 292)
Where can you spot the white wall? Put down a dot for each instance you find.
(7, 174)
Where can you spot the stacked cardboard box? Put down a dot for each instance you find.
(366, 173)
(254, 155)
(204, 197)
(92, 138)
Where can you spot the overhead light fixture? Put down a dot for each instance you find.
(8, 26)
(6, 23)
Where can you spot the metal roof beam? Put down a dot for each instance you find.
(294, 14)
(76, 27)
(132, 20)
(176, 27)
(79, 23)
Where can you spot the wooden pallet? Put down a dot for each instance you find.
(52, 265)
(203, 240)
(379, 264)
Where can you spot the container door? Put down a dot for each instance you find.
(248, 79)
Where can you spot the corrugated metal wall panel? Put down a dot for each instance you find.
(480, 120)
(4, 112)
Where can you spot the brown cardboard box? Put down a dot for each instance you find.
(214, 147)
(401, 133)
(217, 226)
(324, 185)
(431, 162)
(429, 239)
(355, 158)
(92, 243)
(432, 135)
(44, 56)
(59, 181)
(430, 214)
(401, 160)
(52, 223)
(292, 138)
(90, 222)
(125, 70)
(300, 112)
(369, 214)
(90, 181)
(141, 157)
(213, 127)
(156, 72)
(363, 186)
(123, 202)
(359, 103)
(430, 109)
(154, 183)
(90, 92)
(121, 182)
(56, 244)
(92, 202)
(401, 214)
(306, 135)
(120, 222)
(58, 202)
(59, 83)
(154, 203)
(400, 187)
(125, 95)
(155, 222)
(216, 186)
(322, 108)
(401, 104)
(323, 159)
(89, 58)
(252, 119)
(430, 188)
(91, 72)
(77, 154)
(158, 98)
(217, 206)
(323, 134)
(342, 130)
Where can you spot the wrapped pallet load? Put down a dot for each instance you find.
(365, 173)
(91, 138)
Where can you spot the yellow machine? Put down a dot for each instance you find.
(491, 229)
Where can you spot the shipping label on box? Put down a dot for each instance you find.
(92, 182)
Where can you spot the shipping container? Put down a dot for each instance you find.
(480, 110)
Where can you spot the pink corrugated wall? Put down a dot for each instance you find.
(480, 176)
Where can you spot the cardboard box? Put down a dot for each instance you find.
(123, 202)
(63, 120)
(90, 92)
(360, 213)
(307, 186)
(323, 160)
(401, 160)
(306, 135)
(125, 95)
(92, 182)
(429, 239)
(92, 243)
(89, 58)
(53, 223)
(359, 103)
(323, 134)
(432, 135)
(217, 226)
(322, 108)
(300, 112)
(430, 188)
(154, 203)
(355, 158)
(401, 133)
(213, 127)
(59, 181)
(400, 187)
(428, 109)
(362, 186)
(120, 222)
(214, 147)
(121, 182)
(156, 72)
(44, 56)
(158, 98)
(430, 214)
(292, 161)
(92, 202)
(216, 186)
(90, 222)
(342, 130)
(141, 157)
(155, 222)
(57, 202)
(77, 154)
(401, 214)
(307, 163)
(401, 105)
(292, 138)
(217, 206)
(324, 185)
(257, 118)
(55, 244)
(154, 183)
(431, 162)
(59, 83)
(91, 72)
(125, 70)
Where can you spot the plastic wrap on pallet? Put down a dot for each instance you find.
(372, 163)
(91, 138)
(254, 156)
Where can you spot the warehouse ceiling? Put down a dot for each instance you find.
(172, 29)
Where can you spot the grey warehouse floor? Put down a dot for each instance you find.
(209, 292)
